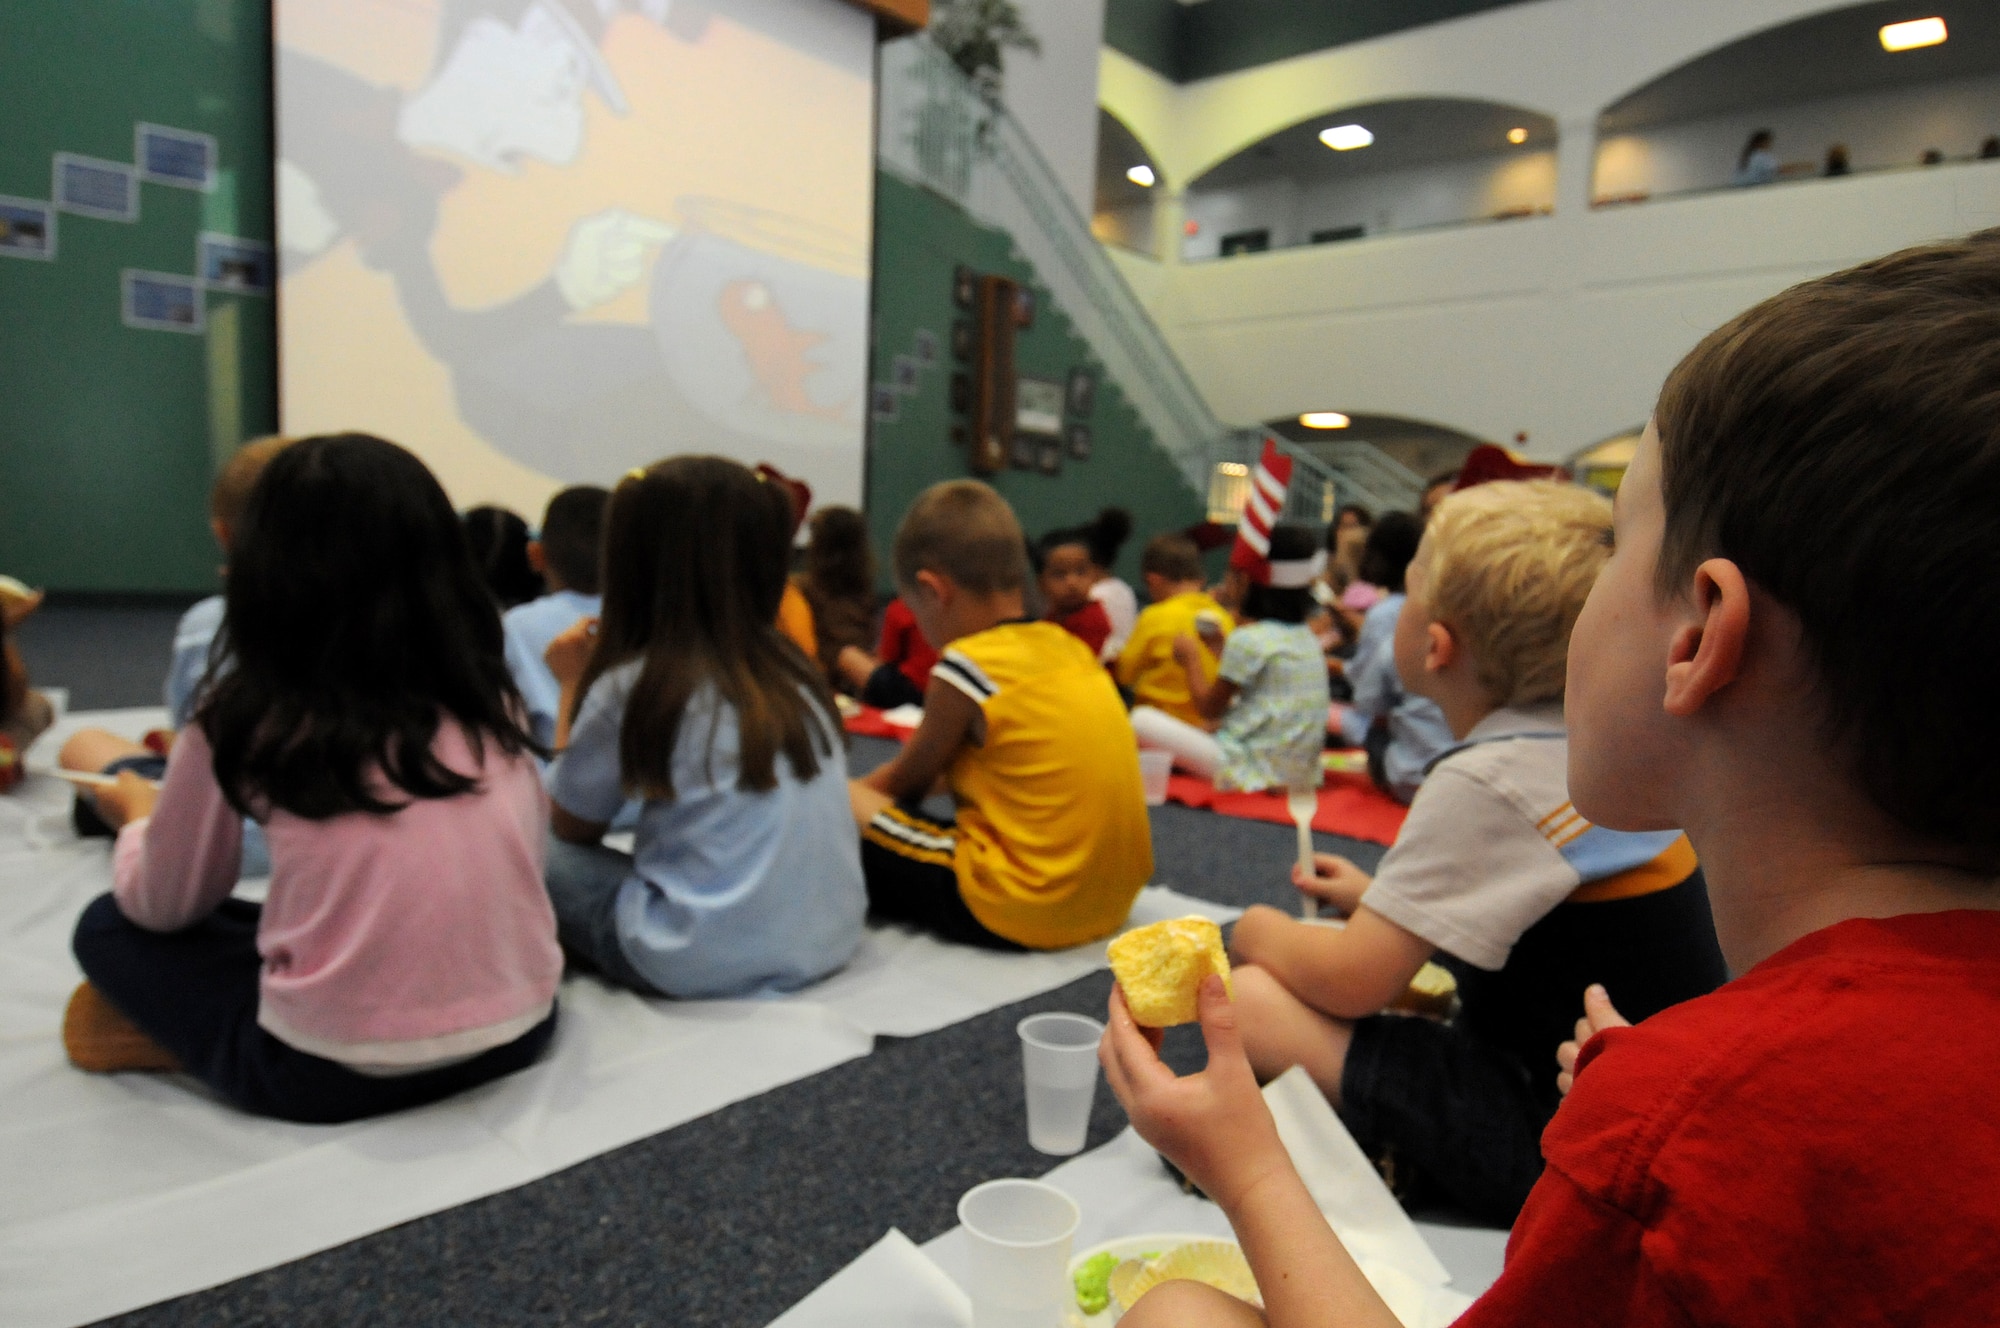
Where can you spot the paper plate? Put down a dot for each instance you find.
(1130, 1248)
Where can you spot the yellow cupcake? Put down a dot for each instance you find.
(1160, 966)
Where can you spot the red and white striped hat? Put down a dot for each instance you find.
(1268, 484)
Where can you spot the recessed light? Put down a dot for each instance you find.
(1324, 419)
(1913, 34)
(1346, 138)
(1141, 175)
(1517, 135)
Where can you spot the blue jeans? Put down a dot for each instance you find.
(584, 881)
(195, 992)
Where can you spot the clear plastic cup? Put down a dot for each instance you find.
(1017, 1236)
(1154, 768)
(1059, 1063)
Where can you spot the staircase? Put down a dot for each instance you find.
(936, 132)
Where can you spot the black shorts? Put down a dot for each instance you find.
(1454, 1117)
(888, 687)
(906, 859)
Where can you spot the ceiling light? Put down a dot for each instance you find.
(1324, 419)
(1517, 135)
(1346, 138)
(1141, 175)
(1913, 34)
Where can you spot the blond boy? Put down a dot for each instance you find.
(1494, 868)
(1021, 722)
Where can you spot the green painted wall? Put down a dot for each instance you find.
(921, 239)
(109, 435)
(1188, 42)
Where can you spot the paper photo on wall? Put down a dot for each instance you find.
(179, 157)
(163, 301)
(239, 267)
(92, 187)
(27, 228)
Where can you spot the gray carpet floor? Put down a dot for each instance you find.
(726, 1221)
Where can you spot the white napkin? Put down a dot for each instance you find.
(890, 1283)
(904, 716)
(1391, 1251)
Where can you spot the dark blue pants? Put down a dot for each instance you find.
(194, 992)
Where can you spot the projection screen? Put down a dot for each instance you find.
(541, 242)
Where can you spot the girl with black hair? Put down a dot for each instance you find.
(838, 581)
(365, 717)
(745, 877)
(1104, 537)
(499, 541)
(1267, 707)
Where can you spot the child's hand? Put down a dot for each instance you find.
(1598, 1015)
(130, 799)
(569, 654)
(1334, 880)
(1214, 1125)
(17, 602)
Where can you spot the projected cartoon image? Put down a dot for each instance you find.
(614, 230)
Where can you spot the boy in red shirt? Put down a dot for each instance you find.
(1787, 656)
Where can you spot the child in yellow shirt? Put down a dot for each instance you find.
(1180, 606)
(1051, 842)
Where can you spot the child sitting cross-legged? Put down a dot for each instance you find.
(1493, 867)
(1021, 721)
(1065, 574)
(1789, 653)
(745, 877)
(1148, 666)
(365, 718)
(1267, 699)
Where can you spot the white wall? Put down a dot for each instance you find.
(1889, 128)
(1053, 95)
(1438, 194)
(1562, 327)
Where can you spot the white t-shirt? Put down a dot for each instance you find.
(1121, 606)
(1492, 843)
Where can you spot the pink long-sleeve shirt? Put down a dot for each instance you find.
(390, 943)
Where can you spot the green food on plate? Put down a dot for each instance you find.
(1093, 1283)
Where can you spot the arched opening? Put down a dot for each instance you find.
(1128, 180)
(1381, 168)
(1831, 98)
(1602, 465)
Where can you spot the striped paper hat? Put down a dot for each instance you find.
(1266, 503)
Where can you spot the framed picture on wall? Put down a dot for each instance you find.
(961, 392)
(882, 402)
(163, 301)
(90, 187)
(1024, 306)
(964, 286)
(225, 263)
(925, 345)
(27, 228)
(1027, 452)
(903, 374)
(1077, 439)
(1038, 407)
(1081, 397)
(961, 339)
(179, 157)
(1050, 457)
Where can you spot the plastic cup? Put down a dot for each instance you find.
(1059, 1063)
(1154, 768)
(1017, 1234)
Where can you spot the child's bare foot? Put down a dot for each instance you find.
(101, 1039)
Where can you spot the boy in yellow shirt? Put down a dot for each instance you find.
(1021, 721)
(1181, 606)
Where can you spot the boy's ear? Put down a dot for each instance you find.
(1440, 647)
(938, 585)
(1705, 654)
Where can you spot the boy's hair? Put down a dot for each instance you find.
(1288, 604)
(499, 542)
(1509, 565)
(573, 536)
(1392, 542)
(963, 530)
(695, 553)
(1840, 443)
(230, 494)
(1173, 556)
(1105, 535)
(356, 625)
